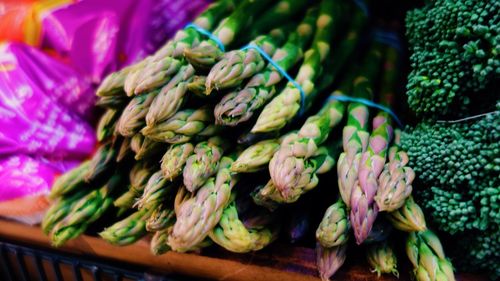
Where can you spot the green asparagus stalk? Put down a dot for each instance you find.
(329, 260)
(70, 181)
(355, 134)
(409, 217)
(132, 118)
(238, 65)
(103, 161)
(155, 191)
(285, 106)
(255, 157)
(207, 53)
(239, 106)
(107, 123)
(285, 166)
(232, 234)
(382, 259)
(364, 209)
(181, 196)
(136, 142)
(199, 214)
(173, 161)
(183, 126)
(88, 209)
(128, 230)
(334, 227)
(427, 256)
(203, 163)
(161, 218)
(395, 180)
(60, 208)
(139, 176)
(170, 98)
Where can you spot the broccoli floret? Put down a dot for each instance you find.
(455, 54)
(458, 166)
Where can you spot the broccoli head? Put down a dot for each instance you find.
(455, 55)
(458, 166)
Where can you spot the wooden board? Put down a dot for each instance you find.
(280, 262)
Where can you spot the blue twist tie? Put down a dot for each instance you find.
(370, 104)
(388, 37)
(282, 72)
(206, 33)
(362, 5)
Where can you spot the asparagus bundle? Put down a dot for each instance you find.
(151, 112)
(239, 106)
(355, 134)
(287, 104)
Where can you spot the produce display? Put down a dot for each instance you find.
(256, 105)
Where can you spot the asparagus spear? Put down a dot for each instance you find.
(409, 217)
(203, 163)
(237, 65)
(101, 163)
(334, 227)
(183, 126)
(107, 123)
(382, 259)
(239, 106)
(173, 161)
(364, 209)
(70, 181)
(427, 256)
(112, 85)
(232, 234)
(125, 150)
(329, 260)
(255, 157)
(149, 148)
(170, 98)
(207, 53)
(155, 191)
(394, 183)
(139, 176)
(283, 108)
(132, 118)
(303, 173)
(285, 166)
(268, 196)
(199, 214)
(112, 102)
(159, 245)
(128, 230)
(355, 134)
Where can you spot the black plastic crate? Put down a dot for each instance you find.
(27, 263)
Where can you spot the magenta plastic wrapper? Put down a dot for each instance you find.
(39, 102)
(102, 36)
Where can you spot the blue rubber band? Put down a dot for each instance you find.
(362, 5)
(388, 37)
(206, 33)
(282, 72)
(370, 104)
